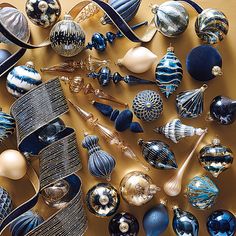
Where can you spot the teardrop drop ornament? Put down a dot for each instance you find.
(169, 73)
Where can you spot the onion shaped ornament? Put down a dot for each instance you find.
(7, 125)
(127, 9)
(169, 73)
(100, 163)
(6, 205)
(189, 103)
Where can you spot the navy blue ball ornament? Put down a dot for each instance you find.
(184, 223)
(6, 205)
(123, 224)
(221, 222)
(156, 220)
(7, 125)
(25, 223)
(204, 63)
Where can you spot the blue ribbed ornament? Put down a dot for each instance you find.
(5, 204)
(7, 125)
(25, 223)
(100, 163)
(169, 73)
(202, 192)
(156, 220)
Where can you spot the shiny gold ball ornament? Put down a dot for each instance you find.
(67, 37)
(137, 189)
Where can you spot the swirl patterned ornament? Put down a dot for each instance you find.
(7, 125)
(169, 73)
(211, 26)
(6, 205)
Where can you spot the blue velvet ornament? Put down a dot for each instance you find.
(156, 220)
(135, 127)
(123, 120)
(220, 223)
(204, 63)
(114, 114)
(105, 109)
(7, 125)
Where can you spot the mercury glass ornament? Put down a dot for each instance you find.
(202, 192)
(123, 224)
(67, 37)
(6, 205)
(103, 200)
(171, 18)
(147, 105)
(137, 189)
(211, 26)
(43, 13)
(7, 125)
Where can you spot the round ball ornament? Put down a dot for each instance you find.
(204, 63)
(123, 224)
(147, 105)
(67, 37)
(22, 79)
(43, 13)
(171, 18)
(221, 222)
(6, 205)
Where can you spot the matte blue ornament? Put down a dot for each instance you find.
(156, 220)
(4, 54)
(204, 63)
(25, 223)
(135, 127)
(100, 163)
(7, 125)
(202, 192)
(114, 114)
(6, 205)
(123, 120)
(220, 223)
(184, 223)
(105, 109)
(169, 73)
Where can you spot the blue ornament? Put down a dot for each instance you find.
(7, 125)
(105, 109)
(184, 223)
(169, 73)
(100, 163)
(123, 120)
(22, 79)
(220, 223)
(6, 205)
(25, 223)
(147, 105)
(204, 63)
(156, 220)
(202, 192)
(114, 114)
(135, 127)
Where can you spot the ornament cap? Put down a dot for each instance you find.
(215, 141)
(43, 6)
(30, 64)
(104, 200)
(67, 17)
(204, 87)
(216, 71)
(124, 227)
(170, 49)
(163, 202)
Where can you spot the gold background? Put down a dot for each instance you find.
(21, 190)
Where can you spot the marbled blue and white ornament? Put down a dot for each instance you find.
(5, 204)
(22, 79)
(169, 73)
(7, 125)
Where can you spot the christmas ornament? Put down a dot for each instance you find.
(67, 37)
(221, 222)
(175, 130)
(22, 79)
(215, 157)
(137, 189)
(223, 110)
(17, 24)
(123, 224)
(7, 125)
(57, 195)
(4, 55)
(100, 163)
(169, 73)
(25, 223)
(6, 205)
(43, 13)
(147, 105)
(158, 154)
(88, 11)
(156, 220)
(202, 192)
(103, 200)
(204, 63)
(171, 18)
(184, 223)
(190, 103)
(127, 9)
(137, 60)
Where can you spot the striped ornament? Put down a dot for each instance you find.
(7, 125)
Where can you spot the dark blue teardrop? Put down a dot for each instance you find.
(135, 127)
(117, 78)
(105, 109)
(114, 115)
(123, 120)
(99, 42)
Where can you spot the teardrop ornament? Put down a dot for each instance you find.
(169, 73)
(175, 130)
(189, 103)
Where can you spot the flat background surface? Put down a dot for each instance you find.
(225, 85)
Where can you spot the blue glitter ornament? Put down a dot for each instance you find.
(184, 223)
(220, 223)
(169, 73)
(202, 192)
(6, 205)
(7, 125)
